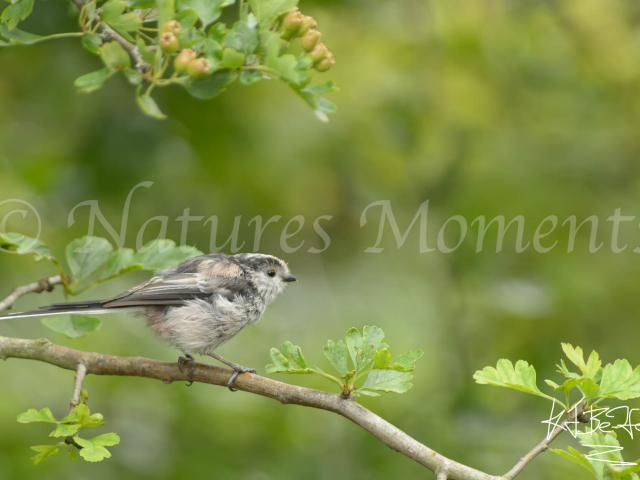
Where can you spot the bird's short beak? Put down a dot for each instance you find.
(290, 278)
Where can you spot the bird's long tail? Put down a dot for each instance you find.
(95, 307)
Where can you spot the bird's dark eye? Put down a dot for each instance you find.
(271, 272)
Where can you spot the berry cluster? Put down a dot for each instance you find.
(295, 24)
(185, 61)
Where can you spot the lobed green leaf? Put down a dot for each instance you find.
(73, 326)
(85, 255)
(522, 377)
(387, 381)
(23, 245)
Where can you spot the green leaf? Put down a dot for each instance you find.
(336, 353)
(73, 454)
(114, 56)
(23, 245)
(382, 359)
(112, 13)
(247, 77)
(288, 359)
(160, 254)
(266, 11)
(406, 361)
(589, 387)
(138, 4)
(147, 55)
(112, 9)
(620, 381)
(91, 82)
(134, 77)
(93, 450)
(562, 368)
(243, 37)
(20, 37)
(367, 393)
(208, 10)
(149, 107)
(121, 262)
(86, 419)
(387, 381)
(522, 377)
(212, 85)
(285, 65)
(311, 95)
(593, 368)
(363, 347)
(73, 326)
(187, 18)
(85, 255)
(65, 430)
(19, 10)
(92, 42)
(46, 451)
(575, 355)
(577, 457)
(34, 416)
(106, 440)
(231, 59)
(166, 11)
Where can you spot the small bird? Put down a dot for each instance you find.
(196, 306)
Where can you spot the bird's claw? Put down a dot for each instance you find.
(238, 369)
(189, 361)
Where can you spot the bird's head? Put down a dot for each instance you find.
(269, 274)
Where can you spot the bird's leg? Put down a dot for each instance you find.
(237, 369)
(189, 361)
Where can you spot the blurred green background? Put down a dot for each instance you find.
(498, 107)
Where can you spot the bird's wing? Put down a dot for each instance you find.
(199, 277)
(204, 279)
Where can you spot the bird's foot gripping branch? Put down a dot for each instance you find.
(158, 43)
(363, 363)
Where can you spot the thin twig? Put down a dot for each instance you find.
(46, 284)
(109, 32)
(81, 372)
(544, 444)
(97, 364)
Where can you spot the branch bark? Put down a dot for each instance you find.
(46, 284)
(44, 351)
(544, 444)
(84, 363)
(109, 32)
(81, 373)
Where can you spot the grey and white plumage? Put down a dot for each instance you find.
(198, 305)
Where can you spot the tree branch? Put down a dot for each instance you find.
(46, 284)
(84, 362)
(544, 444)
(44, 351)
(81, 372)
(109, 32)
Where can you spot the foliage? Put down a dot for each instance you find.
(178, 42)
(68, 429)
(594, 384)
(88, 255)
(369, 356)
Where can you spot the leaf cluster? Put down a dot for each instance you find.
(248, 51)
(68, 429)
(359, 355)
(593, 384)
